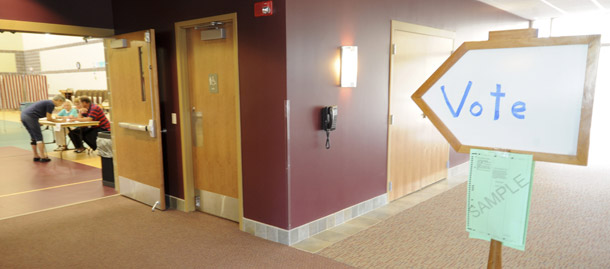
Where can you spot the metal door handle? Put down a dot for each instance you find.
(150, 128)
(197, 128)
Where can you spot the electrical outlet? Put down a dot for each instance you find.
(174, 119)
(197, 201)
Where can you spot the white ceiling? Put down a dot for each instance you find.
(542, 9)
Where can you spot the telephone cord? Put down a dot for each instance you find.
(327, 139)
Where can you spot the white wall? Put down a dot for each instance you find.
(89, 56)
(81, 80)
(39, 41)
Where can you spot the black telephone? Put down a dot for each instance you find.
(329, 121)
(329, 118)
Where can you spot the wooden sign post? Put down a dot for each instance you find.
(518, 93)
(495, 255)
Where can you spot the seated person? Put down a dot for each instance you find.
(89, 112)
(30, 117)
(78, 131)
(67, 113)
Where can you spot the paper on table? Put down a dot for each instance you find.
(499, 190)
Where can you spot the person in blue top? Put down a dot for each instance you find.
(29, 118)
(67, 113)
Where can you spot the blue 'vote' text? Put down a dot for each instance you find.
(476, 109)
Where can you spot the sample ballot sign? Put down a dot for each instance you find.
(499, 190)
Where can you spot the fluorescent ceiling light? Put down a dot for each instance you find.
(554, 7)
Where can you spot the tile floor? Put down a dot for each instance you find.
(324, 239)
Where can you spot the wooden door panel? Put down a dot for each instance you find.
(132, 78)
(417, 153)
(215, 160)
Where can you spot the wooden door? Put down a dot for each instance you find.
(417, 152)
(134, 100)
(215, 127)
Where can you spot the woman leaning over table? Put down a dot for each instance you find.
(30, 117)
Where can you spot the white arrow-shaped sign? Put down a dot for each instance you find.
(531, 95)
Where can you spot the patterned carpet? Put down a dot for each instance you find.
(568, 228)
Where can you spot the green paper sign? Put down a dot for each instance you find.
(499, 191)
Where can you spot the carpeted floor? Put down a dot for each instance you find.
(568, 228)
(117, 232)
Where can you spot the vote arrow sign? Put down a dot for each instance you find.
(526, 95)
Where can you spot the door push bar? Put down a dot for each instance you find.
(150, 128)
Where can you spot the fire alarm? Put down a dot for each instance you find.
(264, 8)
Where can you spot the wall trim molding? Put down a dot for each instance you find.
(298, 234)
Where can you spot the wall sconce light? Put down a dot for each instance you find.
(349, 66)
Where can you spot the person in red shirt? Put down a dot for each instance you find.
(89, 112)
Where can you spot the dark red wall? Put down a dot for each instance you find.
(70, 12)
(355, 168)
(262, 78)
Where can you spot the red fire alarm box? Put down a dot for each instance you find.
(264, 8)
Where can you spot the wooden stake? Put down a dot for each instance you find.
(495, 255)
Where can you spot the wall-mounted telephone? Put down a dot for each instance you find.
(329, 118)
(329, 121)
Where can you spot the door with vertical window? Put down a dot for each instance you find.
(134, 114)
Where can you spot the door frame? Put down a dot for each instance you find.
(52, 28)
(416, 29)
(184, 109)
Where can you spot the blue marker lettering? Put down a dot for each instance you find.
(498, 94)
(476, 104)
(453, 112)
(518, 107)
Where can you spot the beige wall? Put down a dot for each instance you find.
(8, 64)
(9, 44)
(9, 41)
